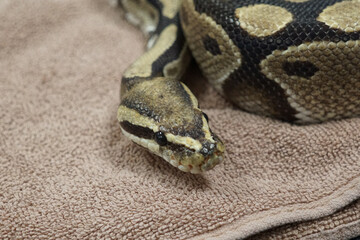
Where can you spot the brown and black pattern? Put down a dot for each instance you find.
(293, 89)
(168, 27)
(166, 102)
(295, 60)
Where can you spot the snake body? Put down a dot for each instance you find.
(294, 60)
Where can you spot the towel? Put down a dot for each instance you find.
(66, 171)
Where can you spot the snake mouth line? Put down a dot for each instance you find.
(185, 168)
(208, 163)
(211, 161)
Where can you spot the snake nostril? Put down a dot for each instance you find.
(204, 151)
(207, 149)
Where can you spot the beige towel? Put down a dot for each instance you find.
(66, 171)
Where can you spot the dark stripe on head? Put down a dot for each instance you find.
(146, 133)
(141, 132)
(140, 107)
(179, 88)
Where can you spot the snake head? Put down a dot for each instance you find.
(163, 116)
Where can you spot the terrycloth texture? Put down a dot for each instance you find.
(67, 171)
(342, 225)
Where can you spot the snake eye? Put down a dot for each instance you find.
(160, 138)
(206, 117)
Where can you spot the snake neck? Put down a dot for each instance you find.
(167, 54)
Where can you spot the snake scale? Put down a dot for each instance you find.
(294, 60)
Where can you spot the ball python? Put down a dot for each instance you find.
(293, 60)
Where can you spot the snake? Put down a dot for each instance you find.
(296, 61)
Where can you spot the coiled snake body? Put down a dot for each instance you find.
(295, 60)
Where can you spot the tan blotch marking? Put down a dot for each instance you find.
(143, 66)
(332, 92)
(197, 26)
(170, 8)
(297, 1)
(263, 20)
(343, 15)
